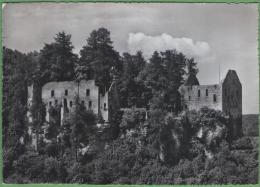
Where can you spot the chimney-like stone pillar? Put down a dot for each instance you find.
(47, 117)
(61, 115)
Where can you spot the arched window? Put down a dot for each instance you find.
(214, 98)
(70, 104)
(207, 92)
(66, 92)
(198, 93)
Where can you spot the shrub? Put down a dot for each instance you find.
(50, 171)
(250, 125)
(242, 143)
(52, 149)
(8, 158)
(30, 165)
(133, 118)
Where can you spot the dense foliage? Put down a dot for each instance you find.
(251, 129)
(149, 141)
(154, 152)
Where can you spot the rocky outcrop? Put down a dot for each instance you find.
(205, 130)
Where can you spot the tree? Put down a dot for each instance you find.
(82, 123)
(175, 69)
(153, 74)
(192, 67)
(17, 71)
(97, 59)
(153, 77)
(15, 80)
(132, 92)
(192, 72)
(57, 60)
(163, 76)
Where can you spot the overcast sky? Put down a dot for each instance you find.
(215, 35)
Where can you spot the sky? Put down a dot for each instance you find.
(218, 36)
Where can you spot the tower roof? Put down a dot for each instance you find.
(191, 80)
(231, 73)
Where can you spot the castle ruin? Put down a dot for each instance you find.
(225, 96)
(63, 94)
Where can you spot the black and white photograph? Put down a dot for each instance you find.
(130, 93)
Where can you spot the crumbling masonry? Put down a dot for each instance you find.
(225, 96)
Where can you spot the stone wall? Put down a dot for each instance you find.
(196, 97)
(64, 93)
(104, 106)
(29, 102)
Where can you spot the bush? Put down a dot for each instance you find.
(250, 125)
(8, 158)
(50, 169)
(17, 179)
(52, 149)
(30, 165)
(133, 118)
(78, 174)
(242, 143)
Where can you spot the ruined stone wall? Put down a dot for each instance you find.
(59, 93)
(104, 106)
(29, 102)
(64, 93)
(30, 95)
(196, 97)
(90, 101)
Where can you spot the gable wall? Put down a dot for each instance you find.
(193, 101)
(73, 89)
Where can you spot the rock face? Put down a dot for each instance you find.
(211, 127)
(207, 128)
(173, 138)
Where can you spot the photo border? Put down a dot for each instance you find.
(115, 1)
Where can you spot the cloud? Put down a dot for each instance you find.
(199, 50)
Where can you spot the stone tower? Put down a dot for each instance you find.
(225, 96)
